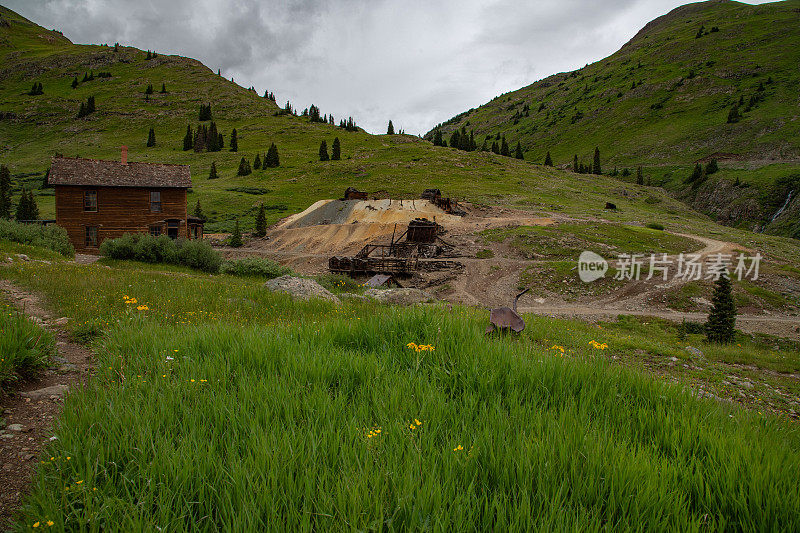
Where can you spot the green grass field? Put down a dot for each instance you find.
(220, 405)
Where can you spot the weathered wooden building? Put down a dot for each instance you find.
(97, 200)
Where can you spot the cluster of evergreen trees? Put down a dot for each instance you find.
(26, 207)
(86, 109)
(700, 174)
(336, 151)
(269, 96)
(314, 115)
(286, 110)
(348, 125)
(205, 113)
(271, 160)
(205, 138)
(150, 55)
(462, 140)
(151, 138)
(88, 76)
(594, 168)
(5, 192)
(36, 90)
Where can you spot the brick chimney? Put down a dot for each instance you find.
(124, 155)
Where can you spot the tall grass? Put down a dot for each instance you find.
(24, 347)
(225, 406)
(224, 427)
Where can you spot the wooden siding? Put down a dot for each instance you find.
(120, 210)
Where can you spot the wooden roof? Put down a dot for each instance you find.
(98, 173)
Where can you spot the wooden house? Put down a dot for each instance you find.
(97, 200)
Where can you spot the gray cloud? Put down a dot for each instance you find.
(416, 62)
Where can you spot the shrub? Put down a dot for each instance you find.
(656, 225)
(148, 249)
(51, 237)
(255, 266)
(339, 283)
(484, 254)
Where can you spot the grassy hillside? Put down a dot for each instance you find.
(217, 404)
(36, 127)
(664, 99)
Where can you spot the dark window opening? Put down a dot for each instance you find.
(172, 229)
(155, 231)
(155, 201)
(91, 235)
(90, 201)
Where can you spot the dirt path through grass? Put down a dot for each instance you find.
(31, 410)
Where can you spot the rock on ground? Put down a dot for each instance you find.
(399, 296)
(302, 288)
(45, 393)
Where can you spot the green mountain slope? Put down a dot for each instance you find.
(33, 128)
(663, 101)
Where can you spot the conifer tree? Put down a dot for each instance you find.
(244, 168)
(261, 222)
(149, 89)
(151, 138)
(257, 162)
(323, 151)
(205, 112)
(272, 160)
(722, 318)
(639, 176)
(548, 161)
(518, 152)
(198, 211)
(187, 139)
(5, 192)
(437, 137)
(504, 150)
(390, 129)
(75, 82)
(495, 148)
(575, 164)
(733, 115)
(234, 141)
(163, 88)
(212, 174)
(711, 167)
(236, 237)
(596, 163)
(90, 105)
(149, 56)
(336, 150)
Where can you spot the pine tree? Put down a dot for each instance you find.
(548, 161)
(733, 115)
(5, 192)
(257, 162)
(323, 151)
(163, 88)
(75, 82)
(149, 89)
(697, 174)
(90, 105)
(261, 222)
(504, 150)
(244, 168)
(575, 164)
(712, 167)
(236, 237)
(639, 176)
(437, 137)
(722, 318)
(187, 139)
(390, 129)
(272, 160)
(495, 148)
(336, 150)
(518, 152)
(212, 174)
(596, 163)
(151, 138)
(234, 141)
(149, 56)
(198, 211)
(205, 112)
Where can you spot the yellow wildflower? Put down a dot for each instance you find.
(36, 524)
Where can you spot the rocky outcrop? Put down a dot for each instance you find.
(300, 288)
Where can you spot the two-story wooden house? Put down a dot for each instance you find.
(97, 200)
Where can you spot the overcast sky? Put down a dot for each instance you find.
(417, 62)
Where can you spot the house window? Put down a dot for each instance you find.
(155, 201)
(91, 236)
(172, 229)
(155, 231)
(90, 201)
